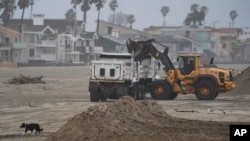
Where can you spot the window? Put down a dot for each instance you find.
(87, 43)
(109, 30)
(16, 39)
(91, 43)
(186, 64)
(102, 72)
(112, 72)
(32, 53)
(32, 38)
(224, 46)
(7, 40)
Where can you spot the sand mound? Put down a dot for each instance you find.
(127, 119)
(242, 81)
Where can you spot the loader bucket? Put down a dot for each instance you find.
(139, 48)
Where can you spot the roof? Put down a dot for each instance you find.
(188, 54)
(87, 35)
(56, 24)
(7, 30)
(115, 54)
(226, 30)
(176, 28)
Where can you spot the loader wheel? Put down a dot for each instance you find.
(160, 90)
(205, 90)
(94, 94)
(173, 96)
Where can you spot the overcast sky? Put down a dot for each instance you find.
(147, 12)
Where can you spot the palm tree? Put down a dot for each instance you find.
(202, 14)
(195, 14)
(75, 3)
(31, 7)
(113, 5)
(70, 15)
(233, 14)
(131, 20)
(85, 7)
(164, 11)
(188, 19)
(99, 5)
(8, 7)
(22, 5)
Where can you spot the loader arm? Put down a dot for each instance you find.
(143, 49)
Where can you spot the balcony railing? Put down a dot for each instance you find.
(46, 57)
(4, 44)
(20, 45)
(46, 43)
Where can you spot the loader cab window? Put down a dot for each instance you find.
(186, 64)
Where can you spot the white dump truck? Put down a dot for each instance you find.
(116, 74)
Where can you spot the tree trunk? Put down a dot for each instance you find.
(31, 9)
(113, 22)
(85, 17)
(98, 19)
(21, 24)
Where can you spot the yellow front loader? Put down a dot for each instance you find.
(206, 81)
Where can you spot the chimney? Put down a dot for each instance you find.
(38, 19)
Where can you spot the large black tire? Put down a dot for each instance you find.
(142, 92)
(160, 89)
(94, 94)
(205, 90)
(102, 97)
(173, 96)
(137, 92)
(212, 98)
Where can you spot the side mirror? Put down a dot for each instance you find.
(178, 58)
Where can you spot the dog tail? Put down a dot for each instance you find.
(41, 129)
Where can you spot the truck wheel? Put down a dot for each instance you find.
(134, 92)
(205, 90)
(102, 97)
(94, 94)
(160, 90)
(142, 92)
(137, 91)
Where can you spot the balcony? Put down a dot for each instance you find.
(46, 57)
(46, 43)
(20, 45)
(5, 45)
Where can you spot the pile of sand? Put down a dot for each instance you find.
(127, 119)
(242, 81)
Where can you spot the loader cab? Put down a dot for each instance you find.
(186, 64)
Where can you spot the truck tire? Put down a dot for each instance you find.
(205, 90)
(160, 90)
(94, 94)
(137, 91)
(134, 92)
(102, 96)
(142, 92)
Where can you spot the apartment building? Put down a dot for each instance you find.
(8, 40)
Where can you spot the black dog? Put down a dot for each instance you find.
(31, 127)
